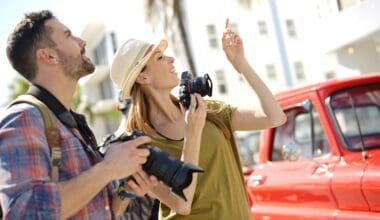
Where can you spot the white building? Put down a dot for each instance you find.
(289, 43)
(102, 39)
(352, 35)
(98, 92)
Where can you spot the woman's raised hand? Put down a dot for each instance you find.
(232, 46)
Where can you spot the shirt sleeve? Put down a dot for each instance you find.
(222, 110)
(139, 208)
(26, 189)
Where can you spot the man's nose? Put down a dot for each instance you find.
(81, 42)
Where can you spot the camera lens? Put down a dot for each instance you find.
(172, 172)
(189, 85)
(201, 85)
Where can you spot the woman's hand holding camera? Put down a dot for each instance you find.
(195, 116)
(141, 183)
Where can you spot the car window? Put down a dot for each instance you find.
(297, 130)
(248, 148)
(357, 115)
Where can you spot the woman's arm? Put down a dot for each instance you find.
(251, 119)
(195, 120)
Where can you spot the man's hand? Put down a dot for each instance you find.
(124, 158)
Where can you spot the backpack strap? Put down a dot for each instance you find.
(51, 131)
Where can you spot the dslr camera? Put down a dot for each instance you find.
(172, 172)
(190, 85)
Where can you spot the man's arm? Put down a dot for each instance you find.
(121, 160)
(25, 185)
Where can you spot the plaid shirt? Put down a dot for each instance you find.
(26, 189)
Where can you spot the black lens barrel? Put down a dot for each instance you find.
(172, 172)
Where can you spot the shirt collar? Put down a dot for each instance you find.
(59, 110)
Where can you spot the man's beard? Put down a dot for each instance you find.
(75, 67)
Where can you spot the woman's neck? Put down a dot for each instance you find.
(163, 110)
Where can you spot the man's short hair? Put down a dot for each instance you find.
(28, 36)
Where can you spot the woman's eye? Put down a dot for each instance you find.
(160, 57)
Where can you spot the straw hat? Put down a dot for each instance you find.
(128, 62)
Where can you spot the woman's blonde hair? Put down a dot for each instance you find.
(138, 115)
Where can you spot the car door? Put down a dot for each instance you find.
(297, 189)
(355, 184)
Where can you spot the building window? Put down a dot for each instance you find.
(106, 88)
(263, 30)
(330, 75)
(344, 4)
(212, 36)
(100, 53)
(258, 2)
(291, 28)
(271, 72)
(249, 146)
(299, 71)
(221, 80)
(377, 49)
(246, 3)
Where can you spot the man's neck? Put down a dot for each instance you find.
(62, 88)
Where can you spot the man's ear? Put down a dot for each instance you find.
(47, 55)
(142, 78)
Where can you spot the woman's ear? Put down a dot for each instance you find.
(142, 78)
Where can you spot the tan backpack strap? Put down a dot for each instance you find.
(51, 131)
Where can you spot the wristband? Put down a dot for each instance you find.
(122, 194)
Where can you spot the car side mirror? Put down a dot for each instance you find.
(291, 152)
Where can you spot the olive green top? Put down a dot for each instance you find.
(220, 191)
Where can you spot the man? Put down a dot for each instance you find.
(52, 59)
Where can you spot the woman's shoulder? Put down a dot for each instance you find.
(215, 104)
(218, 106)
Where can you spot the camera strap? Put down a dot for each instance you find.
(74, 122)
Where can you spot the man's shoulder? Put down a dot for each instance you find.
(19, 112)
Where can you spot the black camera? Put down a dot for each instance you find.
(189, 85)
(172, 172)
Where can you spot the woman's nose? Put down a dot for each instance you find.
(171, 59)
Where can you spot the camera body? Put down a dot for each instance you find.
(189, 85)
(172, 172)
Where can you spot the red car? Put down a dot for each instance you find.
(324, 162)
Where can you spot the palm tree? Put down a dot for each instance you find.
(173, 21)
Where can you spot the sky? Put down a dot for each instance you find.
(75, 14)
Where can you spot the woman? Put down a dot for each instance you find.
(202, 135)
